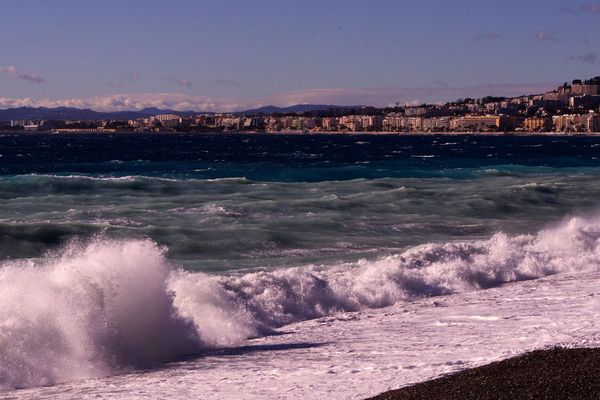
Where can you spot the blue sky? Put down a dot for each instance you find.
(231, 54)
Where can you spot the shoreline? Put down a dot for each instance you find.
(556, 373)
(383, 133)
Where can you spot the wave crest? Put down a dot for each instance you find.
(97, 308)
(87, 311)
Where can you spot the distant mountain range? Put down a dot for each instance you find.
(66, 113)
(69, 113)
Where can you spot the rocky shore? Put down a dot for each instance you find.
(557, 373)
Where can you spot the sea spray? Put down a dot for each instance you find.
(107, 305)
(88, 311)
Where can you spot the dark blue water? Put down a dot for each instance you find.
(293, 158)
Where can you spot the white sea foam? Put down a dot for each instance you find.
(126, 178)
(207, 209)
(105, 306)
(236, 179)
(87, 312)
(131, 178)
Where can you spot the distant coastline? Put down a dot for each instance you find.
(293, 133)
(571, 108)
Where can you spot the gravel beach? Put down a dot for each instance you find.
(557, 373)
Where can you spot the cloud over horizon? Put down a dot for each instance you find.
(379, 97)
(13, 72)
(172, 79)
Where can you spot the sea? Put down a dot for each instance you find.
(273, 266)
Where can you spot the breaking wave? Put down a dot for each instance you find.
(105, 306)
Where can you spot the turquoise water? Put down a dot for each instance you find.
(227, 202)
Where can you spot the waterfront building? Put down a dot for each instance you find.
(590, 122)
(595, 123)
(412, 124)
(372, 122)
(329, 124)
(538, 124)
(310, 123)
(352, 123)
(296, 124)
(252, 123)
(436, 124)
(392, 123)
(569, 123)
(273, 124)
(482, 123)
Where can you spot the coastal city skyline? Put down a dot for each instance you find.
(570, 108)
(180, 56)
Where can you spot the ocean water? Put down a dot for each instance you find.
(288, 266)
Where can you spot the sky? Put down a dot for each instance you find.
(224, 55)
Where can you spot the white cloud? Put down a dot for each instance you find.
(124, 102)
(338, 96)
(13, 72)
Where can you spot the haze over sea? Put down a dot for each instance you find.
(284, 265)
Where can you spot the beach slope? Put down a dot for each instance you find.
(557, 373)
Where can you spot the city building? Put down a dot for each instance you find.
(436, 124)
(478, 123)
(538, 124)
(329, 124)
(586, 88)
(30, 127)
(572, 123)
(167, 120)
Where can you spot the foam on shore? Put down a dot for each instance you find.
(106, 306)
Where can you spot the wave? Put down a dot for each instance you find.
(232, 179)
(128, 178)
(29, 185)
(211, 209)
(134, 178)
(106, 306)
(125, 178)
